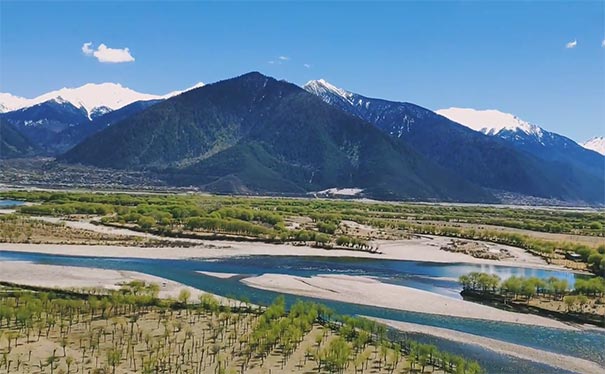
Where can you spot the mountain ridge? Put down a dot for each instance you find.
(254, 133)
(88, 96)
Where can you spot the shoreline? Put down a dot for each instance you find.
(560, 361)
(369, 291)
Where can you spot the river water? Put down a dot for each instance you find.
(9, 203)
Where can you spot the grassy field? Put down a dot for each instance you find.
(130, 331)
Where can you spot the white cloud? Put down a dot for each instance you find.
(307, 66)
(279, 60)
(86, 49)
(570, 45)
(106, 54)
(603, 43)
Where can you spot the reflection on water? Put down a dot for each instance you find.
(433, 277)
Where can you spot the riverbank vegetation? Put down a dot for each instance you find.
(334, 223)
(131, 330)
(22, 229)
(584, 303)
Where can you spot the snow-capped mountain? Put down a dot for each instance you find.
(491, 122)
(508, 155)
(526, 136)
(9, 102)
(596, 144)
(322, 87)
(92, 97)
(57, 120)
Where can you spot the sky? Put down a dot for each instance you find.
(542, 61)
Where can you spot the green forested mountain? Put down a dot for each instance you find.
(256, 134)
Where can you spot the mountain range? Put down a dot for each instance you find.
(528, 137)
(497, 160)
(58, 120)
(254, 134)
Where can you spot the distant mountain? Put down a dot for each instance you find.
(488, 161)
(58, 120)
(71, 136)
(93, 98)
(41, 122)
(528, 137)
(596, 144)
(254, 134)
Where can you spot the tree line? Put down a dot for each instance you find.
(529, 287)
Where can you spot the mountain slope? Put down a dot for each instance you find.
(528, 137)
(13, 143)
(487, 161)
(256, 134)
(596, 144)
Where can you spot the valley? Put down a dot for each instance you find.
(313, 187)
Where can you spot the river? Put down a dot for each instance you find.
(438, 278)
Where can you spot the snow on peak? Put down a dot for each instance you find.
(490, 121)
(596, 144)
(92, 97)
(322, 86)
(60, 100)
(9, 102)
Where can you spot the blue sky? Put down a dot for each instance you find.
(510, 56)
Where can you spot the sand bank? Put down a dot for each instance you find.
(420, 249)
(66, 277)
(369, 291)
(549, 358)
